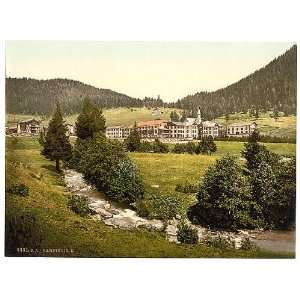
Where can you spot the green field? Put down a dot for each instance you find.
(61, 228)
(167, 170)
(284, 126)
(116, 116)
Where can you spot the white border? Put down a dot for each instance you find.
(229, 20)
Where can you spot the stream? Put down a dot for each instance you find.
(121, 216)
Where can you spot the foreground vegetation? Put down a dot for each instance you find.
(60, 227)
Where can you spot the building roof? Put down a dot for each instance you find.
(242, 124)
(209, 124)
(150, 123)
(30, 121)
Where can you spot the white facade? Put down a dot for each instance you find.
(240, 129)
(209, 128)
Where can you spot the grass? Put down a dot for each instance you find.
(61, 228)
(284, 126)
(168, 170)
(115, 116)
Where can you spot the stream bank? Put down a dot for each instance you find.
(120, 216)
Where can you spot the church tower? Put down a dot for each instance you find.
(199, 120)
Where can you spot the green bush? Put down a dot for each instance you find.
(159, 147)
(220, 242)
(187, 188)
(22, 231)
(186, 234)
(160, 207)
(19, 189)
(247, 244)
(223, 198)
(79, 204)
(106, 165)
(189, 147)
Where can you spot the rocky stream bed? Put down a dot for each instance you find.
(118, 216)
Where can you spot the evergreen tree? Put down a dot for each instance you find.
(57, 145)
(133, 141)
(212, 147)
(183, 116)
(276, 114)
(90, 121)
(174, 116)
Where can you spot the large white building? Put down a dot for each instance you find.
(191, 128)
(240, 129)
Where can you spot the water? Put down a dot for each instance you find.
(122, 216)
(111, 213)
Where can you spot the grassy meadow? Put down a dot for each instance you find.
(167, 170)
(115, 116)
(284, 126)
(62, 228)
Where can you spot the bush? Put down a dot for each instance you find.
(159, 147)
(160, 207)
(189, 147)
(187, 188)
(206, 146)
(19, 189)
(247, 244)
(22, 231)
(79, 204)
(146, 147)
(220, 242)
(186, 234)
(106, 165)
(223, 198)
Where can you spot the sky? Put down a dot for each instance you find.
(138, 69)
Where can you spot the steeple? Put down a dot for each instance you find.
(198, 120)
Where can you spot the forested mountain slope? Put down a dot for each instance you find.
(31, 96)
(271, 87)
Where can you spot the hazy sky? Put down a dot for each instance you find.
(169, 69)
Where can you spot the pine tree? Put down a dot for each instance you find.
(57, 145)
(90, 121)
(133, 141)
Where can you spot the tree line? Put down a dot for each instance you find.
(271, 88)
(31, 96)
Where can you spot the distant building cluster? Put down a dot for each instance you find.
(191, 128)
(32, 127)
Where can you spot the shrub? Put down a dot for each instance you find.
(146, 147)
(106, 165)
(189, 147)
(223, 198)
(186, 234)
(220, 242)
(247, 244)
(22, 231)
(187, 188)
(160, 207)
(159, 147)
(79, 204)
(19, 189)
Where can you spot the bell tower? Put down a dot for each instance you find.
(199, 120)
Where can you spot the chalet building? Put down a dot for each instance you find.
(30, 126)
(240, 129)
(11, 130)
